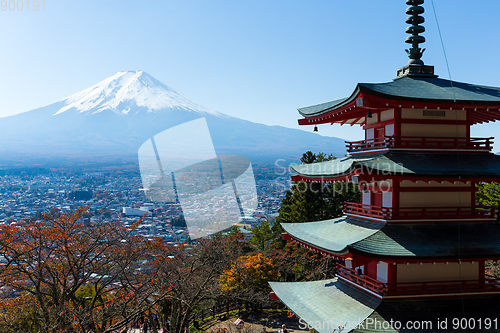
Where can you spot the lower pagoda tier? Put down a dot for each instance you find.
(394, 261)
(335, 306)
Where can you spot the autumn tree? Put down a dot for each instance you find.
(79, 277)
(247, 280)
(249, 272)
(192, 276)
(296, 263)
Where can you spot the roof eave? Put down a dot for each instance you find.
(344, 103)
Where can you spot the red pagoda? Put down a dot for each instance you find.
(414, 248)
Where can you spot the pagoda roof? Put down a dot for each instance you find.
(432, 240)
(417, 89)
(484, 165)
(454, 240)
(430, 310)
(326, 304)
(333, 235)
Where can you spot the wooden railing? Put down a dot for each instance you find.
(414, 213)
(485, 144)
(366, 210)
(489, 284)
(361, 280)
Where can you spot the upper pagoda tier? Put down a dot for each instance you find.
(481, 103)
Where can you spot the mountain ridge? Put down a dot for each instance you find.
(115, 116)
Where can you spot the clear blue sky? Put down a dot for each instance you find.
(255, 59)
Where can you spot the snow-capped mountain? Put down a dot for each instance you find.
(129, 91)
(112, 119)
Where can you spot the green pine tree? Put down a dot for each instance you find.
(308, 202)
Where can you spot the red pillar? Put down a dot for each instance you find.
(371, 269)
(392, 276)
(395, 195)
(397, 123)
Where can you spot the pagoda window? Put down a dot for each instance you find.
(386, 199)
(366, 198)
(389, 130)
(370, 134)
(382, 271)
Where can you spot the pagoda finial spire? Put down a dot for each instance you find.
(415, 52)
(415, 66)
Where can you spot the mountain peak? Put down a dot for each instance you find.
(126, 91)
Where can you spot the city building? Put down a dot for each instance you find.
(414, 249)
(128, 211)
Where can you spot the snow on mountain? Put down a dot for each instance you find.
(125, 91)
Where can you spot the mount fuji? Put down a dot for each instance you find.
(110, 120)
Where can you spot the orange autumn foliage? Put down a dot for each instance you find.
(252, 271)
(64, 274)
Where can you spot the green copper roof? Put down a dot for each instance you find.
(484, 309)
(434, 89)
(432, 240)
(332, 235)
(416, 241)
(339, 167)
(312, 110)
(327, 304)
(416, 89)
(412, 164)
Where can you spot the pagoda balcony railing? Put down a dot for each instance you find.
(419, 213)
(361, 280)
(488, 284)
(485, 144)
